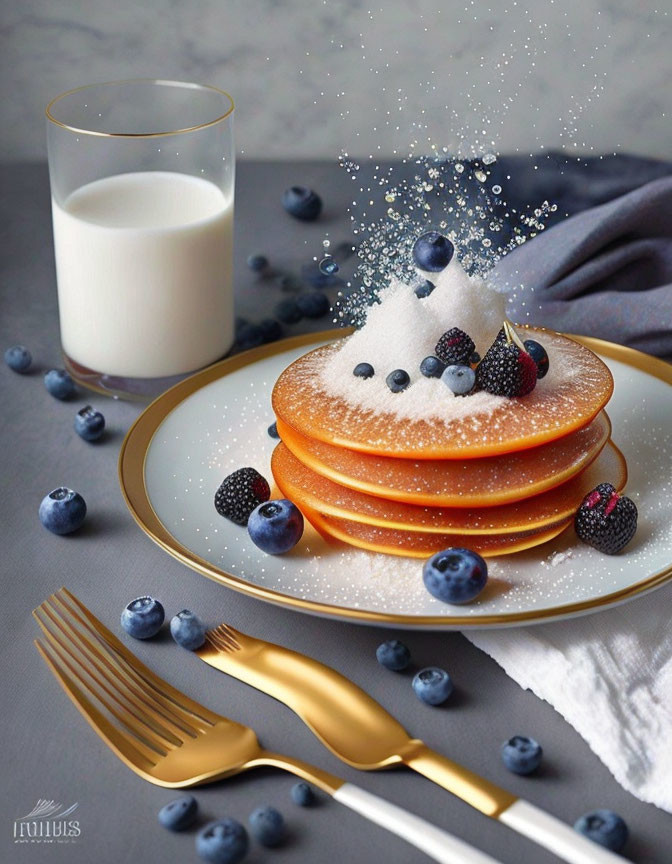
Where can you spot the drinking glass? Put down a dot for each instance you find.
(142, 187)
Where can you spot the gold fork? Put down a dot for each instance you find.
(360, 732)
(170, 740)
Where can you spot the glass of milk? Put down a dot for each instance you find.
(142, 186)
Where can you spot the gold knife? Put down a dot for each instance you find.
(360, 732)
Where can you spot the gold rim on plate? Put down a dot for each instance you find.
(136, 445)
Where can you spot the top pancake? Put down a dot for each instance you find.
(561, 403)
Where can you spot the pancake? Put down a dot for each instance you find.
(567, 400)
(312, 492)
(485, 482)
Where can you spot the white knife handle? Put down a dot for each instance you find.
(555, 835)
(438, 844)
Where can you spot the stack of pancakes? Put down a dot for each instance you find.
(496, 483)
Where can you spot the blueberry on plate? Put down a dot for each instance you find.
(398, 380)
(538, 353)
(257, 263)
(143, 617)
(239, 493)
(313, 304)
(273, 430)
(393, 655)
(59, 383)
(521, 755)
(302, 203)
(303, 794)
(276, 526)
(424, 289)
(179, 814)
(249, 336)
(363, 370)
(62, 511)
(432, 367)
(459, 379)
(89, 423)
(267, 825)
(604, 827)
(455, 575)
(432, 251)
(288, 311)
(18, 358)
(187, 630)
(432, 685)
(271, 330)
(222, 842)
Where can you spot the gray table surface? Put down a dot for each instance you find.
(48, 750)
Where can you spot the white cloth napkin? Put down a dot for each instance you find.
(610, 676)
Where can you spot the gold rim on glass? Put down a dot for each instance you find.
(136, 445)
(159, 81)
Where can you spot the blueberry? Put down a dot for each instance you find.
(393, 655)
(432, 367)
(455, 575)
(276, 526)
(459, 379)
(398, 380)
(424, 289)
(273, 430)
(89, 423)
(604, 827)
(179, 814)
(222, 842)
(249, 336)
(257, 263)
(432, 685)
(18, 358)
(62, 511)
(313, 304)
(521, 754)
(432, 251)
(187, 630)
(288, 311)
(59, 384)
(142, 618)
(302, 203)
(363, 370)
(271, 330)
(303, 795)
(268, 826)
(538, 353)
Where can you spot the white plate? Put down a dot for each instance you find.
(184, 444)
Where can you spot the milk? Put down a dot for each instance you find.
(144, 267)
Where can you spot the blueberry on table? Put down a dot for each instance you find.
(521, 755)
(455, 575)
(313, 304)
(271, 330)
(604, 827)
(432, 685)
(273, 430)
(249, 336)
(432, 367)
(363, 370)
(89, 423)
(424, 289)
(393, 655)
(459, 379)
(538, 353)
(398, 380)
(432, 251)
(222, 842)
(59, 383)
(267, 825)
(143, 617)
(62, 511)
(257, 263)
(179, 814)
(239, 493)
(276, 526)
(18, 358)
(302, 203)
(187, 630)
(303, 795)
(288, 311)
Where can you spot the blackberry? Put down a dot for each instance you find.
(606, 520)
(507, 369)
(454, 348)
(240, 493)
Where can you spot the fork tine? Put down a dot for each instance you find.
(132, 752)
(116, 687)
(222, 639)
(164, 690)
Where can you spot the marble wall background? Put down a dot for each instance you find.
(312, 77)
